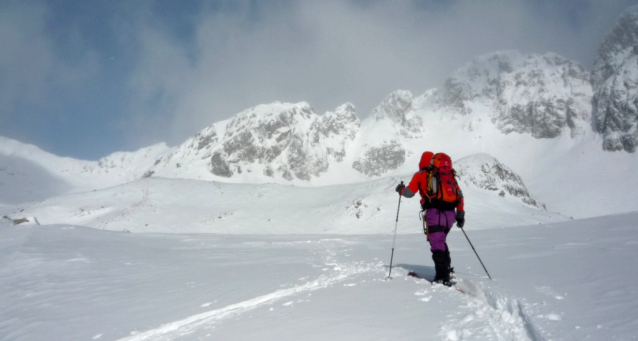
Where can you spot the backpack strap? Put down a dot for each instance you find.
(428, 171)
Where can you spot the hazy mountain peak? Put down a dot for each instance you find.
(347, 109)
(542, 95)
(620, 43)
(615, 80)
(395, 106)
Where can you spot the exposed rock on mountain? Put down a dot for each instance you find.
(336, 129)
(394, 118)
(615, 81)
(379, 160)
(283, 140)
(485, 172)
(398, 107)
(542, 95)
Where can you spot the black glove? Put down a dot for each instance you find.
(400, 188)
(460, 218)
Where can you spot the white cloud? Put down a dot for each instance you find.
(330, 52)
(323, 52)
(32, 73)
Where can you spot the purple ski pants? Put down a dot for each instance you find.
(439, 224)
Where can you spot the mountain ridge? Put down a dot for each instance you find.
(548, 107)
(615, 81)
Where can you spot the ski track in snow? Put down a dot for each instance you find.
(104, 221)
(188, 325)
(488, 315)
(485, 315)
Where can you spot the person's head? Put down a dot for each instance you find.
(425, 159)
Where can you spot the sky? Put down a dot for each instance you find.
(88, 78)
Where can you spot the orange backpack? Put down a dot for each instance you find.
(443, 191)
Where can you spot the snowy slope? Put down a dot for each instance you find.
(188, 206)
(277, 142)
(28, 173)
(567, 281)
(542, 95)
(485, 172)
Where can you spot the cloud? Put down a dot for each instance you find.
(330, 52)
(33, 75)
(177, 70)
(31, 70)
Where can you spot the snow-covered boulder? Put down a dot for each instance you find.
(485, 172)
(542, 95)
(615, 81)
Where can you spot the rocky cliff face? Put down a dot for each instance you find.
(398, 108)
(393, 119)
(615, 81)
(288, 141)
(485, 172)
(378, 160)
(545, 96)
(541, 95)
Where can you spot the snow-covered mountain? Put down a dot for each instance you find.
(486, 172)
(278, 142)
(541, 95)
(29, 173)
(381, 149)
(399, 108)
(615, 81)
(531, 112)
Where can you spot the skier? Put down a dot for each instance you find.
(440, 196)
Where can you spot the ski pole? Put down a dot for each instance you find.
(477, 256)
(395, 235)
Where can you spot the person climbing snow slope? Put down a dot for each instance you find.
(442, 201)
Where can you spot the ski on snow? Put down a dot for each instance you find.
(452, 283)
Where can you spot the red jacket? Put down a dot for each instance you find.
(419, 182)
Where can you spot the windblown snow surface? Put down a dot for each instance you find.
(309, 278)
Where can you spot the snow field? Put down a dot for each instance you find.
(551, 282)
(189, 206)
